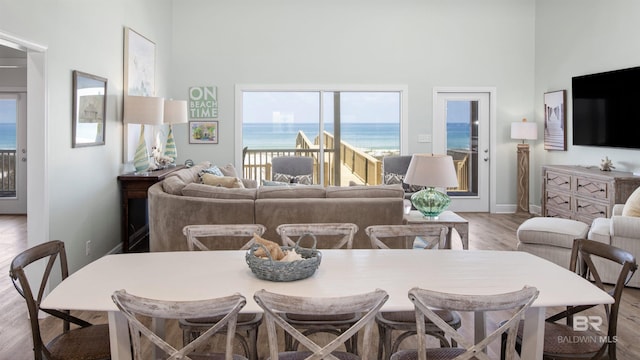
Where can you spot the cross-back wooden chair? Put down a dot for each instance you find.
(328, 235)
(343, 232)
(426, 300)
(586, 257)
(133, 307)
(429, 236)
(432, 236)
(275, 305)
(86, 342)
(247, 324)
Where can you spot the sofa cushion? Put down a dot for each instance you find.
(173, 185)
(223, 181)
(218, 192)
(632, 205)
(375, 191)
(282, 192)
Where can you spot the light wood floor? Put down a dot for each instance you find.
(487, 231)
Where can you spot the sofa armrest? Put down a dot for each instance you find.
(617, 210)
(625, 226)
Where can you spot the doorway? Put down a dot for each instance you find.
(462, 128)
(13, 147)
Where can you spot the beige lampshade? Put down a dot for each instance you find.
(431, 170)
(175, 111)
(524, 130)
(146, 110)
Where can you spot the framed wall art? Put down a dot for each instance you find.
(139, 80)
(555, 120)
(89, 109)
(203, 132)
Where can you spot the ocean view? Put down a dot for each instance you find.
(369, 137)
(7, 136)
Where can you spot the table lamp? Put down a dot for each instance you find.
(523, 130)
(175, 112)
(432, 171)
(143, 110)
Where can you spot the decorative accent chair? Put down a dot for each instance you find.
(587, 256)
(427, 236)
(241, 235)
(275, 305)
(292, 169)
(328, 235)
(86, 342)
(133, 307)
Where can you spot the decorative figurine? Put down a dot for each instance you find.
(606, 164)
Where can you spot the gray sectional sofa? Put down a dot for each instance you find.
(181, 200)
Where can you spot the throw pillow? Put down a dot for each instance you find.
(392, 179)
(632, 205)
(297, 179)
(224, 181)
(229, 170)
(212, 170)
(274, 183)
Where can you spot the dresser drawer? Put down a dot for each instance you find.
(558, 180)
(589, 208)
(556, 213)
(593, 188)
(558, 201)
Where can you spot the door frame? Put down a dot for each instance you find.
(438, 130)
(37, 135)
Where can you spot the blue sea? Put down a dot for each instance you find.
(7, 136)
(365, 136)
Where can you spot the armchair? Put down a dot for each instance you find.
(619, 231)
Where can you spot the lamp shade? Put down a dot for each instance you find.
(145, 110)
(175, 111)
(524, 130)
(431, 170)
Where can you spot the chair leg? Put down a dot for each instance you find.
(381, 331)
(252, 336)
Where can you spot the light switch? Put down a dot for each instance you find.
(424, 138)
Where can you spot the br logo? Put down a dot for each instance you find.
(582, 323)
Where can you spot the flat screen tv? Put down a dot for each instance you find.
(606, 108)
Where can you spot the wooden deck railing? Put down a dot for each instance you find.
(7, 173)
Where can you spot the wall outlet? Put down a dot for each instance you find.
(88, 248)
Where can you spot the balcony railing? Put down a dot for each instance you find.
(7, 173)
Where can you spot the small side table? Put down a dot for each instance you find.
(448, 219)
(133, 202)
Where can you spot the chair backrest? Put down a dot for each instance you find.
(584, 257)
(431, 235)
(340, 234)
(50, 251)
(396, 164)
(243, 233)
(275, 305)
(133, 306)
(426, 300)
(291, 165)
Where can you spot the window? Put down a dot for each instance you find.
(346, 131)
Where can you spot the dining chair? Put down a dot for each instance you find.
(142, 312)
(430, 236)
(238, 236)
(327, 235)
(424, 300)
(587, 256)
(276, 305)
(86, 341)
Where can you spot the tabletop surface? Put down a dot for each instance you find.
(209, 274)
(445, 217)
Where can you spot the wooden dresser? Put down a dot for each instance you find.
(581, 193)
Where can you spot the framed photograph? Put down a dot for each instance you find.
(89, 109)
(139, 80)
(555, 120)
(203, 132)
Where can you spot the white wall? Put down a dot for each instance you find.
(421, 43)
(84, 201)
(577, 37)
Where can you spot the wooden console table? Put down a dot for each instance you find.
(133, 201)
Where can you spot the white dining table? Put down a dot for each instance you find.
(210, 274)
